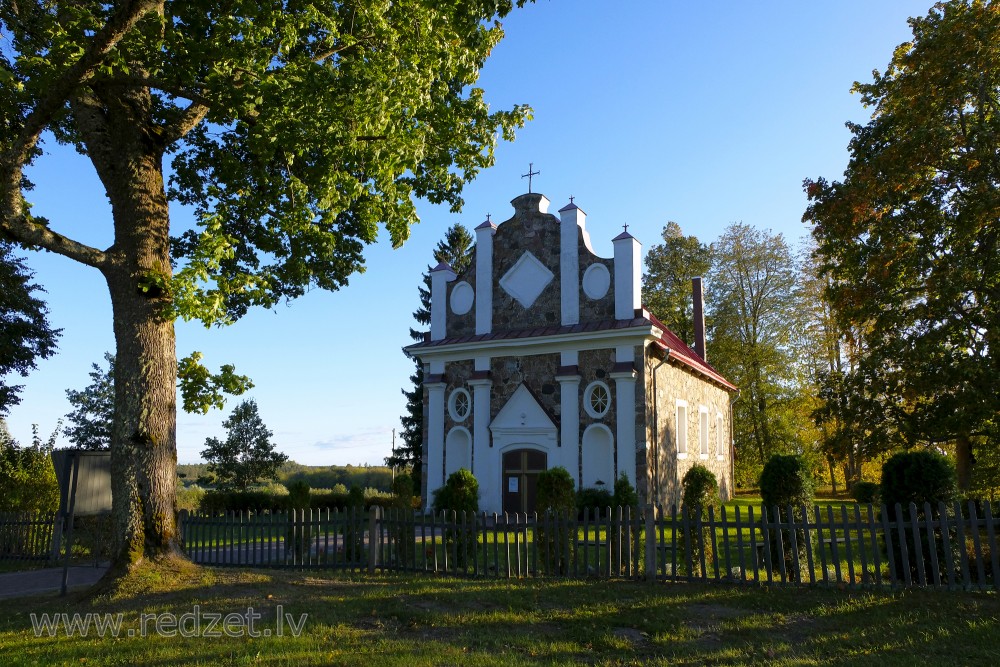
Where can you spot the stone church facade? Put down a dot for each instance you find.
(541, 355)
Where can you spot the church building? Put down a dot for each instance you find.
(541, 355)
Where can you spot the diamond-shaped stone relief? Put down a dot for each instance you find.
(526, 280)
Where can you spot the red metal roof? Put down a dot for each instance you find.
(680, 351)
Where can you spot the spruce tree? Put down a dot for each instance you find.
(455, 249)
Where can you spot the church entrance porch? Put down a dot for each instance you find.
(521, 468)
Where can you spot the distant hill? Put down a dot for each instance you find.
(317, 477)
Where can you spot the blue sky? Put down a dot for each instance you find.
(705, 113)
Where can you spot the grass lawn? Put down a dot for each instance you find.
(423, 620)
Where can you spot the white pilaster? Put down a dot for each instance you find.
(484, 277)
(628, 276)
(572, 220)
(441, 275)
(625, 422)
(435, 438)
(481, 435)
(569, 423)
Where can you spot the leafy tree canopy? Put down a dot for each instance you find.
(666, 285)
(247, 455)
(25, 334)
(910, 235)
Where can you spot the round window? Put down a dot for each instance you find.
(597, 399)
(459, 405)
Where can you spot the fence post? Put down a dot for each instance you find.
(374, 524)
(650, 543)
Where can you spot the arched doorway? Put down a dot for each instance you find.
(520, 478)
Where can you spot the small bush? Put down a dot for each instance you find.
(917, 477)
(556, 504)
(701, 491)
(625, 495)
(786, 480)
(865, 493)
(596, 500)
(459, 494)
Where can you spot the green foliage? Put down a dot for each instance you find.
(596, 500)
(94, 406)
(865, 492)
(786, 480)
(356, 497)
(298, 495)
(755, 326)
(27, 477)
(555, 492)
(700, 489)
(247, 455)
(917, 477)
(456, 250)
(93, 412)
(201, 390)
(24, 327)
(625, 495)
(666, 285)
(460, 493)
(909, 237)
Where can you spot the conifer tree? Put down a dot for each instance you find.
(455, 249)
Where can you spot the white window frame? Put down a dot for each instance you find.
(453, 405)
(681, 428)
(588, 393)
(720, 439)
(703, 430)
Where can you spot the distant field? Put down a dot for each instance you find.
(418, 620)
(318, 477)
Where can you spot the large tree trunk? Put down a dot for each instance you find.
(963, 462)
(126, 153)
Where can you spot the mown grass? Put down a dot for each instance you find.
(423, 620)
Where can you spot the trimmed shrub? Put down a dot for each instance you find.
(460, 493)
(865, 493)
(700, 491)
(918, 477)
(596, 500)
(786, 481)
(625, 495)
(555, 501)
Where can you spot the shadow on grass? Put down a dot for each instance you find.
(406, 620)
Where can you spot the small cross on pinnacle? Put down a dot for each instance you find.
(530, 174)
(571, 198)
(626, 227)
(488, 218)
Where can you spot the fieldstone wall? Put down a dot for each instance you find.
(537, 372)
(538, 233)
(462, 325)
(665, 383)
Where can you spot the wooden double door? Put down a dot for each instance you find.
(521, 468)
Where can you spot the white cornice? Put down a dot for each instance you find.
(581, 340)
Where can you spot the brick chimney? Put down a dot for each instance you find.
(699, 318)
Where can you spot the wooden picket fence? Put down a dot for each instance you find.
(953, 546)
(26, 536)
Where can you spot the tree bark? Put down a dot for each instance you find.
(128, 157)
(964, 461)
